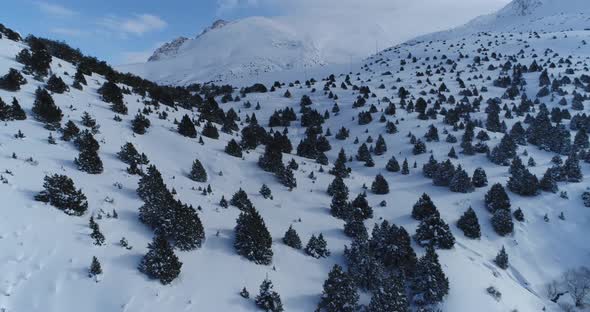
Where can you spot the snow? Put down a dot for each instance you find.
(46, 254)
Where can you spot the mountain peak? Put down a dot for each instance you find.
(168, 49)
(218, 24)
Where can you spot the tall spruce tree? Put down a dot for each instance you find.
(339, 294)
(198, 173)
(424, 208)
(469, 224)
(45, 109)
(430, 284)
(186, 127)
(497, 198)
(252, 240)
(390, 296)
(268, 299)
(160, 262)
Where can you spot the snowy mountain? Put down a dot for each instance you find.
(467, 144)
(229, 50)
(524, 16)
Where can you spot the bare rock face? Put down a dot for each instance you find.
(167, 50)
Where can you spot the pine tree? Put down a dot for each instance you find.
(317, 247)
(210, 131)
(187, 231)
(268, 299)
(572, 170)
(548, 183)
(96, 235)
(502, 259)
(461, 182)
(240, 199)
(61, 193)
(380, 185)
(497, 199)
(95, 268)
(380, 146)
(433, 231)
(16, 111)
(233, 149)
(198, 173)
(140, 123)
(424, 208)
(292, 239)
(45, 109)
(339, 294)
(287, 178)
(392, 165)
(89, 161)
(187, 128)
(430, 285)
(390, 296)
(444, 174)
(405, 167)
(469, 224)
(56, 85)
(419, 148)
(502, 222)
(480, 179)
(339, 207)
(111, 93)
(265, 192)
(160, 262)
(70, 131)
(429, 168)
(340, 168)
(253, 241)
(12, 80)
(523, 182)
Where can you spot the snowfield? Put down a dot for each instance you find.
(46, 253)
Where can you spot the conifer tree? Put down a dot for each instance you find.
(265, 192)
(380, 185)
(461, 182)
(444, 174)
(548, 183)
(140, 123)
(45, 109)
(268, 299)
(469, 224)
(340, 168)
(430, 285)
(187, 128)
(253, 241)
(61, 193)
(497, 199)
(210, 131)
(339, 294)
(240, 199)
(16, 111)
(502, 222)
(233, 149)
(111, 93)
(502, 259)
(88, 159)
(198, 173)
(392, 165)
(187, 230)
(434, 231)
(160, 262)
(12, 81)
(96, 235)
(572, 170)
(479, 179)
(405, 167)
(56, 85)
(317, 247)
(95, 268)
(429, 168)
(70, 131)
(424, 208)
(292, 239)
(391, 296)
(287, 178)
(380, 146)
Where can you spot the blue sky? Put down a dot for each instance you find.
(128, 31)
(120, 31)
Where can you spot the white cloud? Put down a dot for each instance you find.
(138, 24)
(352, 28)
(55, 9)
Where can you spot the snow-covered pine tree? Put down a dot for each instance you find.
(339, 294)
(252, 240)
(160, 262)
(469, 224)
(268, 299)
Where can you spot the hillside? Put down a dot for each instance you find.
(244, 48)
(472, 89)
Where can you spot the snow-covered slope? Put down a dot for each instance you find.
(524, 16)
(46, 254)
(244, 48)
